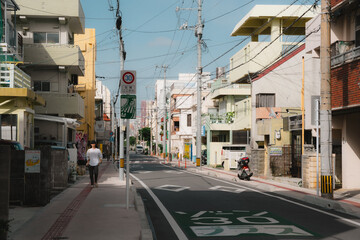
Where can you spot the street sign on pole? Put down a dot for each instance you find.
(128, 106)
(128, 82)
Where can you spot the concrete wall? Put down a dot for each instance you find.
(63, 105)
(4, 185)
(343, 28)
(214, 158)
(59, 162)
(58, 80)
(350, 150)
(257, 163)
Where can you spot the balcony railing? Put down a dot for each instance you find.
(14, 77)
(223, 119)
(343, 52)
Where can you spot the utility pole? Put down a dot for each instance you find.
(151, 150)
(198, 33)
(325, 104)
(121, 123)
(112, 128)
(156, 133)
(165, 112)
(170, 156)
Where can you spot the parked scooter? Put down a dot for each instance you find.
(244, 172)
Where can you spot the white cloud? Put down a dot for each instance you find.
(160, 41)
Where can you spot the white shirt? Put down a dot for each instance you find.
(94, 155)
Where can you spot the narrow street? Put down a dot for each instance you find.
(198, 207)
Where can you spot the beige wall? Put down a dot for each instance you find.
(25, 120)
(87, 44)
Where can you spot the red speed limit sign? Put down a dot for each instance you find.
(128, 82)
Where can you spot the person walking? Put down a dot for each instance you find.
(94, 158)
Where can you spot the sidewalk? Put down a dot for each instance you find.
(345, 201)
(82, 212)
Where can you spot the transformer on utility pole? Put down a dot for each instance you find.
(325, 104)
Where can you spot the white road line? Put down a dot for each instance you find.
(179, 233)
(270, 195)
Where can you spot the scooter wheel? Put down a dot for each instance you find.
(241, 178)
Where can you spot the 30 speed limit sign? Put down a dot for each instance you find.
(128, 82)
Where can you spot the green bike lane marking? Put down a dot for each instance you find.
(236, 223)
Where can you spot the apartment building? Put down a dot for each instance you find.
(228, 121)
(277, 34)
(102, 117)
(51, 58)
(181, 116)
(86, 85)
(17, 99)
(345, 89)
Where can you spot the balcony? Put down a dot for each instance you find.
(226, 123)
(11, 44)
(80, 87)
(13, 77)
(225, 89)
(66, 55)
(254, 56)
(343, 52)
(69, 105)
(71, 10)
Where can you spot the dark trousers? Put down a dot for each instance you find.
(94, 170)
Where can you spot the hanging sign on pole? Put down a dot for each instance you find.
(128, 82)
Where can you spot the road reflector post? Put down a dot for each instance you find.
(326, 185)
(198, 162)
(122, 163)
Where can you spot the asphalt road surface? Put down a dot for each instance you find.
(184, 205)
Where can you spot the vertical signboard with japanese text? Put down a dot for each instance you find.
(128, 94)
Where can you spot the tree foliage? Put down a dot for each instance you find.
(132, 140)
(144, 134)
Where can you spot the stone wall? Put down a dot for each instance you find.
(281, 165)
(309, 171)
(257, 162)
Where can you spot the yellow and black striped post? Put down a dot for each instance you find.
(326, 186)
(198, 162)
(122, 163)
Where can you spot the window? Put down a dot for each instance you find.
(8, 130)
(357, 31)
(42, 37)
(41, 86)
(265, 100)
(176, 126)
(189, 120)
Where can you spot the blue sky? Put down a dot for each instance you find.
(152, 37)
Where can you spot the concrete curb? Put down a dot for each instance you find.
(146, 233)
